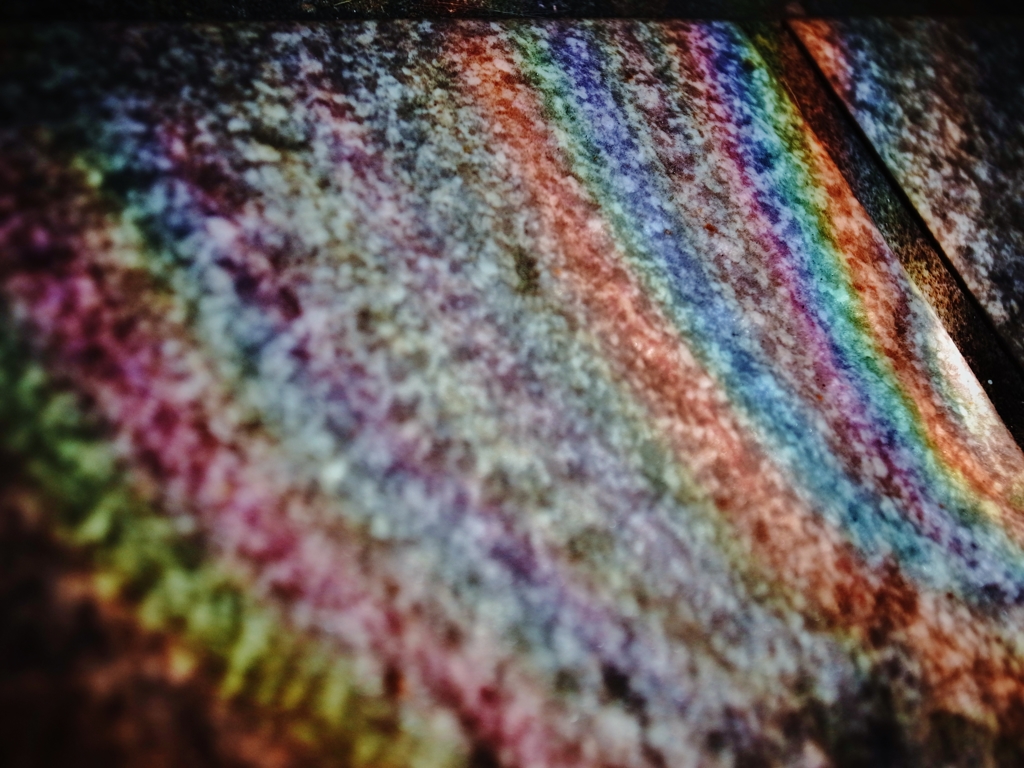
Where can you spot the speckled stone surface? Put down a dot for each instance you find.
(941, 100)
(526, 394)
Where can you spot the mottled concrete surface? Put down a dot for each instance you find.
(524, 394)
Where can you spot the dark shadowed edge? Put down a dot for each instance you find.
(902, 227)
(322, 10)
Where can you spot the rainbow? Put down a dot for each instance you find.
(533, 393)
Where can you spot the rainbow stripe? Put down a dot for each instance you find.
(543, 382)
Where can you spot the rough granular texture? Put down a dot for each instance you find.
(525, 394)
(943, 103)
